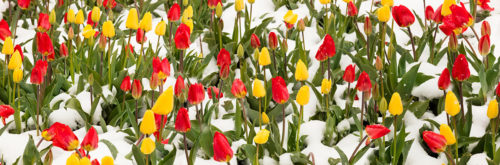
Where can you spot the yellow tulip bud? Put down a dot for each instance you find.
(72, 160)
(347, 1)
(387, 2)
(384, 14)
(451, 105)
(218, 10)
(445, 130)
(188, 12)
(492, 109)
(445, 9)
(148, 146)
(108, 29)
(303, 95)
(88, 31)
(261, 137)
(107, 160)
(251, 1)
(164, 103)
(96, 14)
(258, 89)
(240, 52)
(326, 86)
(8, 46)
(395, 105)
(132, 19)
(382, 107)
(290, 17)
(15, 61)
(52, 17)
(85, 161)
(185, 2)
(148, 125)
(145, 23)
(265, 118)
(256, 54)
(301, 73)
(190, 24)
(79, 17)
(17, 76)
(160, 28)
(239, 5)
(324, 2)
(264, 58)
(71, 16)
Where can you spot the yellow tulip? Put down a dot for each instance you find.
(445, 130)
(164, 103)
(492, 109)
(96, 14)
(301, 73)
(79, 17)
(15, 61)
(107, 160)
(145, 23)
(147, 146)
(395, 105)
(160, 28)
(132, 19)
(445, 9)
(239, 5)
(384, 14)
(189, 23)
(188, 12)
(70, 16)
(290, 17)
(85, 161)
(218, 10)
(17, 76)
(264, 58)
(256, 54)
(324, 2)
(326, 86)
(261, 137)
(303, 95)
(73, 160)
(148, 125)
(108, 30)
(8, 46)
(451, 105)
(88, 31)
(387, 3)
(258, 89)
(52, 17)
(265, 118)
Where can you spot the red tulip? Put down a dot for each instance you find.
(44, 44)
(109, 3)
(429, 13)
(367, 27)
(280, 92)
(174, 13)
(213, 3)
(182, 35)
(224, 61)
(38, 72)
(376, 131)
(222, 149)
(437, 17)
(484, 45)
(457, 21)
(60, 3)
(460, 71)
(273, 40)
(484, 4)
(352, 10)
(497, 90)
(18, 49)
(63, 50)
(65, 18)
(182, 122)
(254, 41)
(95, 162)
(91, 140)
(326, 49)
(444, 79)
(179, 87)
(403, 16)
(24, 4)
(4, 29)
(349, 74)
(65, 139)
(159, 125)
(364, 84)
(43, 22)
(140, 37)
(136, 89)
(435, 141)
(461, 14)
(131, 48)
(485, 28)
(161, 67)
(217, 93)
(154, 81)
(196, 94)
(89, 19)
(42, 65)
(5, 112)
(238, 89)
(49, 133)
(125, 86)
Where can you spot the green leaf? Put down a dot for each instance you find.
(31, 154)
(111, 147)
(405, 86)
(138, 156)
(343, 157)
(419, 108)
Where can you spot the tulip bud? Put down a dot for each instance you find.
(352, 10)
(52, 17)
(376, 131)
(96, 14)
(264, 58)
(326, 86)
(485, 28)
(460, 70)
(301, 73)
(273, 40)
(222, 149)
(164, 103)
(451, 106)
(364, 83)
(303, 95)
(218, 10)
(367, 27)
(182, 122)
(196, 94)
(8, 46)
(301, 25)
(99, 2)
(444, 79)
(436, 142)
(148, 125)
(429, 13)
(256, 54)
(90, 141)
(240, 51)
(384, 14)
(378, 64)
(71, 34)
(185, 2)
(239, 5)
(148, 146)
(262, 136)
(90, 79)
(160, 28)
(79, 19)
(107, 160)
(484, 45)
(136, 89)
(453, 42)
(258, 90)
(132, 19)
(265, 118)
(254, 41)
(108, 29)
(382, 107)
(70, 16)
(395, 105)
(492, 112)
(145, 23)
(238, 89)
(445, 130)
(102, 42)
(15, 61)
(17, 76)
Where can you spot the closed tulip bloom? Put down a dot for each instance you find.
(182, 122)
(258, 89)
(65, 139)
(79, 19)
(148, 125)
(326, 86)
(38, 72)
(265, 118)
(451, 106)
(239, 5)
(485, 28)
(125, 86)
(17, 75)
(44, 44)
(254, 41)
(107, 160)
(216, 92)
(8, 46)
(264, 58)
(165, 102)
(352, 10)
(444, 79)
(256, 54)
(403, 16)
(91, 140)
(5, 112)
(280, 92)
(429, 13)
(387, 3)
(303, 95)
(324, 2)
(96, 14)
(367, 27)
(160, 28)
(445, 130)
(350, 74)
(43, 22)
(132, 19)
(196, 94)
(180, 87)
(140, 37)
(52, 16)
(222, 149)
(384, 14)
(15, 61)
(108, 29)
(24, 4)
(213, 3)
(136, 89)
(290, 17)
(364, 83)
(273, 41)
(492, 112)
(70, 16)
(174, 13)
(223, 58)
(73, 160)
(182, 37)
(218, 10)
(437, 17)
(301, 73)
(376, 131)
(145, 23)
(436, 142)
(88, 31)
(238, 89)
(460, 71)
(261, 137)
(484, 45)
(148, 146)
(395, 104)
(109, 4)
(327, 49)
(4, 30)
(63, 50)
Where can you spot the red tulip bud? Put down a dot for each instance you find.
(63, 50)
(352, 10)
(429, 13)
(140, 37)
(182, 122)
(91, 140)
(182, 37)
(367, 27)
(273, 41)
(435, 141)
(364, 83)
(497, 91)
(460, 69)
(125, 86)
(484, 45)
(44, 44)
(196, 94)
(179, 87)
(222, 149)
(485, 28)
(43, 22)
(174, 13)
(5, 112)
(238, 89)
(254, 41)
(349, 74)
(437, 17)
(376, 131)
(218, 94)
(136, 89)
(4, 29)
(24, 4)
(444, 79)
(280, 92)
(403, 16)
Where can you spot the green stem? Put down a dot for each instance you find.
(395, 140)
(456, 136)
(257, 155)
(298, 128)
(109, 64)
(493, 139)
(17, 114)
(260, 114)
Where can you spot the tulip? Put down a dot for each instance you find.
(364, 84)
(132, 19)
(290, 18)
(145, 23)
(460, 71)
(485, 28)
(429, 13)
(65, 139)
(88, 31)
(182, 122)
(497, 90)
(349, 74)
(5, 112)
(63, 50)
(37, 74)
(8, 46)
(49, 133)
(367, 27)
(492, 112)
(436, 142)
(17, 75)
(258, 90)
(238, 89)
(254, 41)
(108, 29)
(326, 50)
(395, 105)
(4, 30)
(44, 44)
(376, 131)
(140, 37)
(264, 58)
(160, 28)
(273, 40)
(70, 16)
(222, 148)
(403, 16)
(324, 2)
(213, 3)
(388, 3)
(218, 94)
(164, 103)
(125, 86)
(154, 81)
(15, 61)
(484, 4)
(265, 118)
(451, 105)
(24, 4)
(445, 11)
(136, 89)
(445, 130)
(180, 87)
(301, 73)
(96, 14)
(352, 10)
(107, 160)
(218, 10)
(303, 95)
(73, 159)
(109, 4)
(444, 79)
(43, 22)
(239, 5)
(326, 86)
(90, 141)
(182, 36)
(484, 45)
(196, 94)
(79, 19)
(162, 68)
(437, 17)
(148, 125)
(224, 59)
(174, 13)
(280, 92)
(148, 146)
(261, 137)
